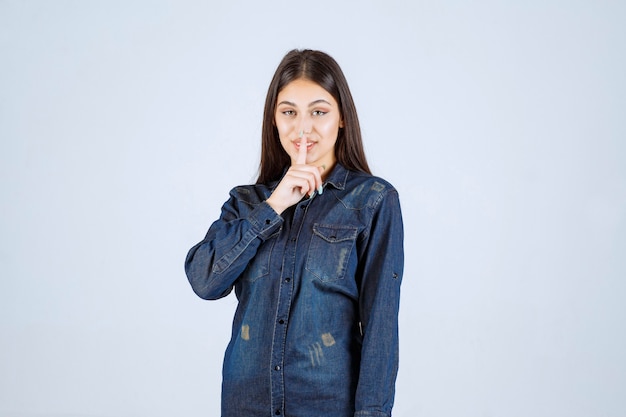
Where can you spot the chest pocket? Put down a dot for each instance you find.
(329, 251)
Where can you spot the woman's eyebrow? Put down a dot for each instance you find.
(320, 101)
(313, 103)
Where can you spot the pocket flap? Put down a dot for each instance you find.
(335, 233)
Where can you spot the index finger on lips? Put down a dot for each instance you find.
(301, 160)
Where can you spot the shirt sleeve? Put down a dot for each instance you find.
(381, 269)
(213, 265)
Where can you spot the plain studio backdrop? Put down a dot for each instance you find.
(124, 124)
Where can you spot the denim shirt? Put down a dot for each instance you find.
(315, 332)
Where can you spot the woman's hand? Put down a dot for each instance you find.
(300, 180)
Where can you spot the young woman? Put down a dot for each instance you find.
(314, 251)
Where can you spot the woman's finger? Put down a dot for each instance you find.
(301, 160)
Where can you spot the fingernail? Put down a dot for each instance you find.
(320, 190)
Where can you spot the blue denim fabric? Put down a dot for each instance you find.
(315, 332)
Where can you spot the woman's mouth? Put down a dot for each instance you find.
(309, 145)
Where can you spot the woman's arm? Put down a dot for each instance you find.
(381, 269)
(213, 265)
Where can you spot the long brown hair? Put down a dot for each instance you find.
(323, 70)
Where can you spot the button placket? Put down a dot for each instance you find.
(285, 295)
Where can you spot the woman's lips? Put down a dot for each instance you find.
(309, 145)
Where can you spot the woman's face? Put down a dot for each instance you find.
(304, 106)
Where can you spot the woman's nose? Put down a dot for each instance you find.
(306, 126)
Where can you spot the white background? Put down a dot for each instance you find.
(123, 124)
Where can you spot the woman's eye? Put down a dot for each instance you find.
(289, 112)
(319, 112)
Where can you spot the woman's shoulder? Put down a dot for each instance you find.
(251, 193)
(374, 183)
(363, 189)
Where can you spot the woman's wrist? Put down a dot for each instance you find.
(278, 208)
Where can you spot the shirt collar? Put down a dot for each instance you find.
(338, 177)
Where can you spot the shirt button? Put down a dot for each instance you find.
(277, 412)
(287, 279)
(281, 321)
(277, 367)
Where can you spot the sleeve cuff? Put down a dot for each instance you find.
(264, 220)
